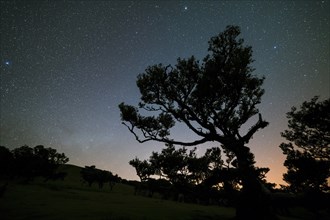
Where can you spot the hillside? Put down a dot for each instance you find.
(70, 199)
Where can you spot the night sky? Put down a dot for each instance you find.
(66, 65)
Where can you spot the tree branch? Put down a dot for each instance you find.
(164, 140)
(254, 129)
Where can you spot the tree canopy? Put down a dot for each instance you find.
(28, 162)
(213, 99)
(143, 169)
(91, 174)
(182, 167)
(308, 150)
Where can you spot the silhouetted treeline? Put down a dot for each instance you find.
(185, 176)
(188, 193)
(91, 174)
(218, 182)
(182, 167)
(27, 163)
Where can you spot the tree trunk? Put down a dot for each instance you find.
(252, 203)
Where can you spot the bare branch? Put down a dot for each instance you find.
(254, 129)
(150, 137)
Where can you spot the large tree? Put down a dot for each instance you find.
(308, 150)
(213, 99)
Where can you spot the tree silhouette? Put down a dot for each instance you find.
(197, 178)
(174, 164)
(308, 150)
(213, 100)
(199, 167)
(25, 164)
(143, 168)
(6, 163)
(48, 160)
(28, 162)
(91, 174)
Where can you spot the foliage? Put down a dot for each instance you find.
(171, 163)
(308, 150)
(30, 162)
(213, 99)
(90, 175)
(143, 169)
(184, 168)
(6, 162)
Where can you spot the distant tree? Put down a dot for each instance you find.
(198, 167)
(213, 100)
(3, 189)
(56, 176)
(178, 165)
(48, 160)
(308, 150)
(214, 157)
(113, 179)
(38, 161)
(88, 175)
(91, 174)
(25, 164)
(172, 163)
(228, 178)
(103, 176)
(225, 174)
(209, 169)
(156, 161)
(196, 177)
(143, 168)
(6, 163)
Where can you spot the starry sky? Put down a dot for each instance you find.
(66, 65)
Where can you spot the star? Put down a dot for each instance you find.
(85, 72)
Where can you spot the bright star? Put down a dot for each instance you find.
(185, 8)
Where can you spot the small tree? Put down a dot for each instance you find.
(174, 164)
(91, 174)
(308, 150)
(213, 100)
(143, 168)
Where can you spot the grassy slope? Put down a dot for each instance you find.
(70, 199)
